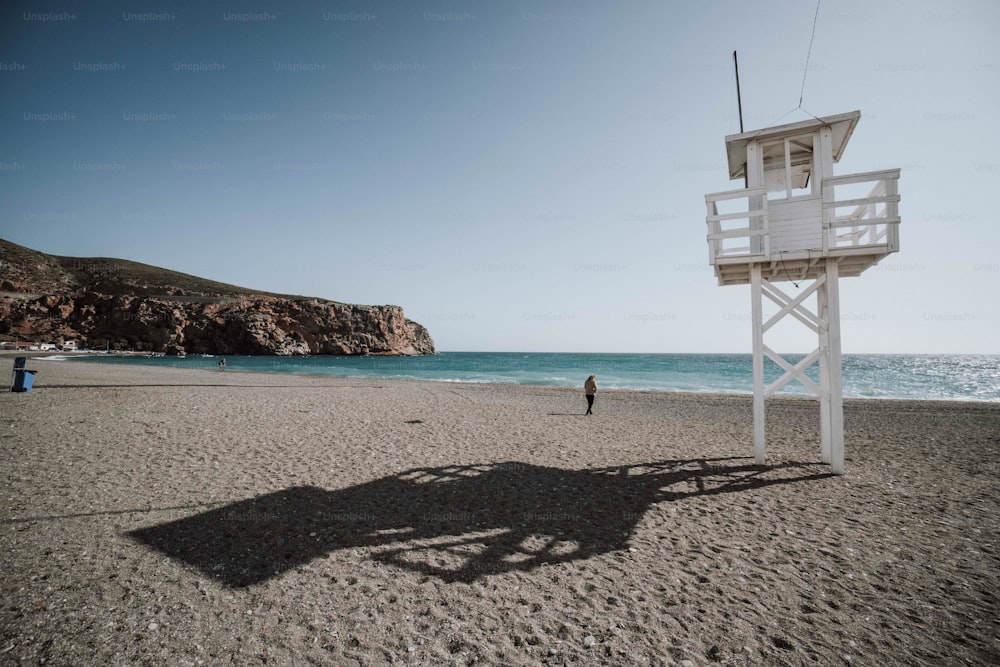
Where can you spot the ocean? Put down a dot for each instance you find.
(963, 377)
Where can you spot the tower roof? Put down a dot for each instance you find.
(841, 124)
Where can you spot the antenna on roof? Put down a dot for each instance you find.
(739, 102)
(739, 105)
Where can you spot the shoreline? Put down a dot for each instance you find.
(209, 377)
(81, 358)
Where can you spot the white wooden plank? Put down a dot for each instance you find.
(862, 201)
(847, 179)
(736, 233)
(734, 216)
(736, 194)
(796, 225)
(865, 221)
(755, 167)
(892, 211)
(788, 168)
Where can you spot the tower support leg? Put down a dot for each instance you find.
(757, 317)
(835, 391)
(823, 311)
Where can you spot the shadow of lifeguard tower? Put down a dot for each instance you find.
(458, 523)
(795, 221)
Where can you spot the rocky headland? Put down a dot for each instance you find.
(124, 305)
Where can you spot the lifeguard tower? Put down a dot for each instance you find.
(795, 221)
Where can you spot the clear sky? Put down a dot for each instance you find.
(525, 176)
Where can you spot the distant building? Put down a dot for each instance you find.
(22, 345)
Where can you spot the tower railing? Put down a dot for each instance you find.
(725, 229)
(742, 230)
(871, 220)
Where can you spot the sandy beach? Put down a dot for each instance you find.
(156, 516)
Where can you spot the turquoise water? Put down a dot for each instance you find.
(936, 377)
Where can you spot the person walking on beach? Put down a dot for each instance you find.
(222, 364)
(590, 389)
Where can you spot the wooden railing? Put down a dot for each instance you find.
(753, 237)
(872, 220)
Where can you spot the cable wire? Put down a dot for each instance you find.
(809, 53)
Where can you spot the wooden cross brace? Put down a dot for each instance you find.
(793, 306)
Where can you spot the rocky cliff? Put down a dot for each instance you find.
(99, 301)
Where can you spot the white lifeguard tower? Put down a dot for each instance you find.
(795, 221)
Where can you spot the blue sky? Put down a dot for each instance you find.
(523, 176)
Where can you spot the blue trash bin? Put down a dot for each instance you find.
(23, 379)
